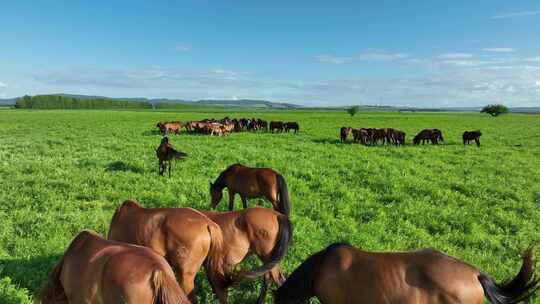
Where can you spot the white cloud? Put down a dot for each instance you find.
(516, 14)
(499, 50)
(454, 56)
(382, 56)
(183, 48)
(366, 56)
(3, 85)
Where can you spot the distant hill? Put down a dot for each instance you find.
(7, 102)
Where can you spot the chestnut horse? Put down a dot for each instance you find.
(250, 183)
(262, 231)
(343, 274)
(94, 270)
(184, 236)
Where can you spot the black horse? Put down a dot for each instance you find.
(472, 135)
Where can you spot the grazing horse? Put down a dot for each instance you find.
(95, 270)
(184, 236)
(250, 183)
(277, 126)
(291, 125)
(471, 135)
(342, 274)
(433, 135)
(399, 137)
(344, 132)
(261, 231)
(263, 124)
(166, 154)
(165, 127)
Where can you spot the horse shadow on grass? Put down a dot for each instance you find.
(31, 273)
(122, 166)
(328, 141)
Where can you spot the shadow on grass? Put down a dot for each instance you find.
(29, 273)
(122, 166)
(329, 141)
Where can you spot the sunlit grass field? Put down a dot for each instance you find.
(64, 171)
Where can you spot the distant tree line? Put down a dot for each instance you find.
(66, 102)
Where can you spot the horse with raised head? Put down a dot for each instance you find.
(166, 153)
(472, 135)
(343, 274)
(95, 270)
(262, 231)
(251, 183)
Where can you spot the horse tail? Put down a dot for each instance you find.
(299, 286)
(519, 289)
(53, 291)
(166, 289)
(281, 247)
(283, 193)
(214, 262)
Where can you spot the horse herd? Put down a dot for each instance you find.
(372, 136)
(151, 256)
(226, 125)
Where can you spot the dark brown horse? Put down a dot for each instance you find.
(433, 135)
(471, 135)
(291, 125)
(251, 183)
(261, 231)
(166, 154)
(276, 126)
(94, 270)
(342, 274)
(184, 236)
(344, 132)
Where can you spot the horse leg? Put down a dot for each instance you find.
(160, 164)
(231, 200)
(244, 201)
(477, 140)
(170, 165)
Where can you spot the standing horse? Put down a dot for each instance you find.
(94, 270)
(251, 183)
(166, 154)
(472, 135)
(277, 126)
(262, 231)
(433, 135)
(184, 236)
(344, 132)
(342, 274)
(291, 125)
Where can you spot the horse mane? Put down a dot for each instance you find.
(220, 180)
(299, 285)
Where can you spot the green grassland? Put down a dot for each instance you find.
(63, 171)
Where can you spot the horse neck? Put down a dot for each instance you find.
(220, 180)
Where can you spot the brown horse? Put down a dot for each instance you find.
(262, 231)
(343, 274)
(433, 135)
(472, 135)
(166, 154)
(291, 125)
(94, 270)
(173, 126)
(277, 126)
(344, 132)
(250, 183)
(184, 236)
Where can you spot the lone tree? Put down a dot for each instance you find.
(495, 109)
(353, 110)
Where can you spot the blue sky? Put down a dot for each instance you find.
(426, 53)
